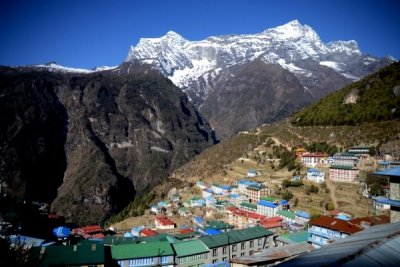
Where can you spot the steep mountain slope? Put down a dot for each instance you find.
(251, 94)
(117, 134)
(377, 103)
(374, 98)
(195, 66)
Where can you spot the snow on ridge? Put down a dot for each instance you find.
(332, 65)
(55, 67)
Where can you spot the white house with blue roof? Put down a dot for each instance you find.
(267, 208)
(302, 217)
(243, 184)
(315, 175)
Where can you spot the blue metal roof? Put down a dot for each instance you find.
(313, 170)
(389, 172)
(388, 201)
(212, 231)
(267, 203)
(283, 202)
(198, 219)
(303, 214)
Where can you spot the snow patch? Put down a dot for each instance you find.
(159, 149)
(332, 65)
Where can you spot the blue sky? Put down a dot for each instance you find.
(83, 33)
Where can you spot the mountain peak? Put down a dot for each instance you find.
(293, 30)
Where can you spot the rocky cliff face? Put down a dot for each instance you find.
(197, 66)
(117, 133)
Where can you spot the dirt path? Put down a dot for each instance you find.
(331, 192)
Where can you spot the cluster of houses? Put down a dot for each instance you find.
(343, 167)
(249, 235)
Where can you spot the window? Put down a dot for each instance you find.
(260, 241)
(233, 256)
(243, 245)
(251, 252)
(225, 259)
(234, 248)
(242, 254)
(224, 250)
(214, 261)
(164, 259)
(215, 252)
(252, 243)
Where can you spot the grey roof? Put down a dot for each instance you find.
(274, 254)
(375, 246)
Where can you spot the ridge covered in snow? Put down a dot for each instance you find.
(54, 67)
(192, 65)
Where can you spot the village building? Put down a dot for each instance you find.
(237, 243)
(343, 174)
(71, 255)
(163, 222)
(243, 184)
(252, 173)
(207, 192)
(221, 189)
(268, 208)
(272, 224)
(394, 199)
(242, 219)
(158, 253)
(201, 185)
(248, 207)
(190, 253)
(313, 159)
(291, 238)
(359, 150)
(302, 217)
(315, 175)
(287, 216)
(255, 192)
(325, 229)
(344, 159)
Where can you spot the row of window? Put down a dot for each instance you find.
(145, 261)
(234, 247)
(192, 258)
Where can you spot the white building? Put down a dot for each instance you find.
(315, 175)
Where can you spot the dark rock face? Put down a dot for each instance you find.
(32, 135)
(117, 134)
(251, 94)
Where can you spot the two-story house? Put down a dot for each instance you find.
(324, 229)
(236, 243)
(159, 253)
(190, 253)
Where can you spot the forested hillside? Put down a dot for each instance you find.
(374, 98)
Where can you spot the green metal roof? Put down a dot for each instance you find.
(292, 238)
(191, 247)
(249, 205)
(287, 213)
(72, 255)
(271, 199)
(119, 240)
(142, 250)
(235, 236)
(220, 225)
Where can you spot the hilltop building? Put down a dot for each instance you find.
(346, 174)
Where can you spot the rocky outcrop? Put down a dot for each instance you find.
(119, 132)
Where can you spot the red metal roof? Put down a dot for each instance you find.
(315, 155)
(164, 220)
(186, 231)
(248, 214)
(269, 225)
(336, 224)
(148, 232)
(371, 220)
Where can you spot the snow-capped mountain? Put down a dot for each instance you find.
(54, 67)
(192, 65)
